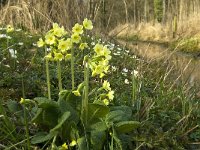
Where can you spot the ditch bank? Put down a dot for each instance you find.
(187, 66)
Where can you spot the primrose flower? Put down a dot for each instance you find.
(110, 95)
(106, 53)
(102, 75)
(57, 30)
(58, 56)
(76, 92)
(78, 29)
(63, 46)
(40, 43)
(98, 70)
(73, 143)
(22, 101)
(98, 48)
(75, 38)
(106, 85)
(68, 57)
(87, 24)
(9, 28)
(49, 56)
(25, 101)
(50, 39)
(64, 146)
(106, 102)
(83, 46)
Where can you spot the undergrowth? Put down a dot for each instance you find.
(146, 110)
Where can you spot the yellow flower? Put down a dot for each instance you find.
(22, 101)
(50, 39)
(110, 95)
(25, 101)
(78, 29)
(64, 45)
(58, 56)
(68, 57)
(102, 75)
(40, 43)
(103, 62)
(83, 46)
(73, 143)
(64, 146)
(106, 102)
(76, 92)
(48, 57)
(106, 53)
(98, 70)
(9, 28)
(75, 38)
(106, 85)
(58, 31)
(87, 24)
(98, 48)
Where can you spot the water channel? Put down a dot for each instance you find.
(187, 66)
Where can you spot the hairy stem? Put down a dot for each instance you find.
(59, 76)
(47, 75)
(72, 68)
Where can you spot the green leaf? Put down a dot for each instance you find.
(126, 126)
(82, 143)
(96, 111)
(13, 106)
(61, 121)
(50, 116)
(98, 139)
(46, 103)
(127, 110)
(100, 126)
(38, 116)
(116, 116)
(42, 137)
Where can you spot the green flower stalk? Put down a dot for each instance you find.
(134, 89)
(72, 68)
(59, 75)
(47, 75)
(86, 91)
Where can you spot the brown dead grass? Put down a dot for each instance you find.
(157, 31)
(39, 14)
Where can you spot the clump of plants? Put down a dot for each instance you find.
(187, 45)
(84, 115)
(96, 95)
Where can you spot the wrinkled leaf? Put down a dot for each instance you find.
(61, 121)
(96, 111)
(100, 126)
(98, 139)
(116, 116)
(82, 143)
(126, 126)
(42, 137)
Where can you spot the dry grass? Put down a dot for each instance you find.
(157, 31)
(39, 15)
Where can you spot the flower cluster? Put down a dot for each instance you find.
(65, 146)
(99, 63)
(59, 42)
(109, 95)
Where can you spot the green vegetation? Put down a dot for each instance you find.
(92, 95)
(187, 45)
(158, 9)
